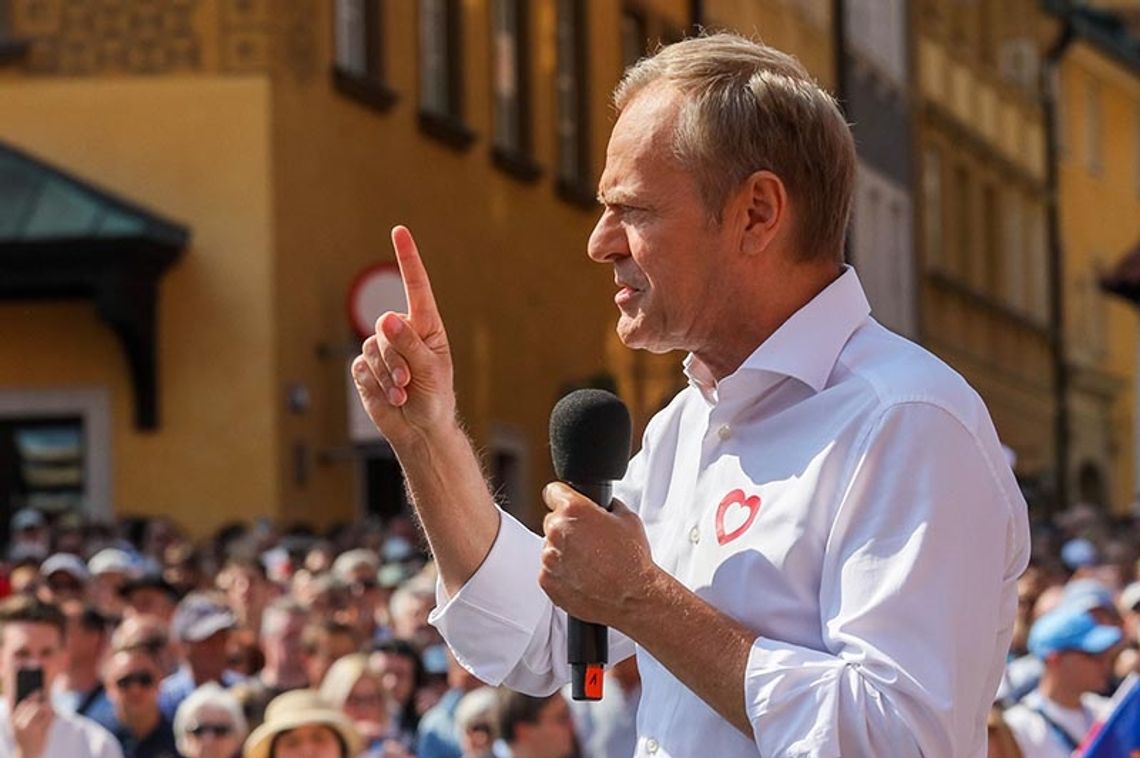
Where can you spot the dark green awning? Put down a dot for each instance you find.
(62, 237)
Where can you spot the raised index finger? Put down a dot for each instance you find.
(422, 310)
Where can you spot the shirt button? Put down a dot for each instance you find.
(651, 745)
(695, 535)
(724, 432)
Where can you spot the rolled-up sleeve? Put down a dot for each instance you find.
(917, 599)
(501, 625)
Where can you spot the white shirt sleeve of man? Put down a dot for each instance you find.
(898, 601)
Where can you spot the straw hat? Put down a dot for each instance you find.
(295, 709)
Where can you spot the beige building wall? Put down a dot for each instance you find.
(194, 150)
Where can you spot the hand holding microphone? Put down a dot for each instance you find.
(590, 445)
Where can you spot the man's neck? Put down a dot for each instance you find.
(1053, 690)
(275, 677)
(142, 725)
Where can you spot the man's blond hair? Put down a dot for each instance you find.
(749, 107)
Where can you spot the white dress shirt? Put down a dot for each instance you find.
(844, 495)
(69, 736)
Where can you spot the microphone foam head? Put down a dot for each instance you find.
(590, 437)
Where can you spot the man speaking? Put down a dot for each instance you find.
(815, 551)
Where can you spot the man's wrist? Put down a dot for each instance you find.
(654, 599)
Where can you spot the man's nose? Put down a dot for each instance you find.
(607, 240)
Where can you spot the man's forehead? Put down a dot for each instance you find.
(29, 632)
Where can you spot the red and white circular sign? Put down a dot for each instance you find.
(374, 291)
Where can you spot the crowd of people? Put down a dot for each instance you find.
(259, 642)
(132, 639)
(1074, 649)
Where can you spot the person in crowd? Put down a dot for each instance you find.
(401, 672)
(437, 735)
(149, 632)
(1128, 605)
(357, 571)
(247, 590)
(1000, 742)
(355, 689)
(243, 652)
(609, 726)
(63, 577)
(31, 537)
(323, 641)
(282, 626)
(79, 687)
(299, 724)
(210, 724)
(536, 727)
(131, 677)
(411, 604)
(476, 723)
(200, 626)
(111, 568)
(31, 638)
(1077, 651)
(149, 595)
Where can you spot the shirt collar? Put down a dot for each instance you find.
(807, 345)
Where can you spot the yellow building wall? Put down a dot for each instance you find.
(196, 151)
(1100, 221)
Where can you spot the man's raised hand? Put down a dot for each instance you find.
(404, 373)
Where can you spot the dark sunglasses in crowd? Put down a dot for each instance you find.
(143, 679)
(214, 730)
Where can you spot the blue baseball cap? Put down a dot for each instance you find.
(1086, 594)
(1070, 628)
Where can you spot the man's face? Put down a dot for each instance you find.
(29, 645)
(669, 259)
(552, 735)
(327, 649)
(1084, 672)
(397, 674)
(132, 679)
(83, 645)
(60, 587)
(207, 658)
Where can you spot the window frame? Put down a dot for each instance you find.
(447, 124)
(369, 87)
(517, 159)
(578, 187)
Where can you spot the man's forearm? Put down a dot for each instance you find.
(452, 500)
(701, 646)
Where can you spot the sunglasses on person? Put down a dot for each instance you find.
(141, 678)
(214, 730)
(480, 727)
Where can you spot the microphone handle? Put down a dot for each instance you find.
(587, 644)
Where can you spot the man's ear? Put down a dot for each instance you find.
(764, 211)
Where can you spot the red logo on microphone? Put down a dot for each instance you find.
(737, 512)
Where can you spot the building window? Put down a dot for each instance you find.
(993, 260)
(55, 451)
(960, 256)
(1013, 248)
(932, 208)
(510, 66)
(441, 75)
(1093, 126)
(574, 180)
(359, 67)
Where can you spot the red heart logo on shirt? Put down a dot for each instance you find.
(738, 509)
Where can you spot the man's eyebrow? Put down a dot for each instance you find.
(615, 197)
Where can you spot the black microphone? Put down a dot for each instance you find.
(589, 442)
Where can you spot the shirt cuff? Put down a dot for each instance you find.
(492, 619)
